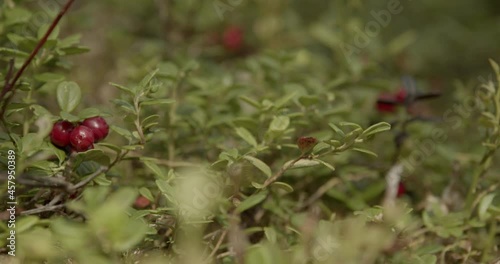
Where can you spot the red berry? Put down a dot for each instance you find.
(386, 107)
(82, 138)
(60, 133)
(232, 39)
(141, 202)
(98, 126)
(306, 144)
(401, 189)
(401, 95)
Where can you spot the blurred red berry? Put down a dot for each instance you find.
(306, 144)
(82, 138)
(232, 39)
(385, 104)
(401, 95)
(141, 202)
(98, 126)
(401, 189)
(60, 133)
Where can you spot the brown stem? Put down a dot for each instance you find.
(217, 246)
(282, 171)
(42, 209)
(90, 178)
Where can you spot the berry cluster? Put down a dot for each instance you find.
(80, 137)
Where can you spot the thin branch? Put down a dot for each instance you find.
(43, 209)
(11, 85)
(47, 182)
(282, 171)
(10, 70)
(217, 246)
(320, 192)
(90, 178)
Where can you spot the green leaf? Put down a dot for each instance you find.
(146, 193)
(283, 101)
(89, 112)
(49, 77)
(259, 164)
(168, 69)
(68, 96)
(283, 186)
(376, 128)
(246, 135)
(495, 66)
(102, 180)
(150, 121)
(96, 155)
(44, 28)
(250, 101)
(365, 151)
(308, 100)
(128, 107)
(270, 234)
(350, 124)
(26, 223)
(115, 148)
(123, 88)
(251, 201)
(326, 164)
(155, 169)
(303, 163)
(122, 131)
(13, 52)
(336, 129)
(147, 79)
(74, 50)
(166, 189)
(279, 123)
(16, 15)
(67, 116)
(484, 205)
(158, 102)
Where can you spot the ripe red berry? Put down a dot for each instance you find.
(82, 138)
(60, 133)
(232, 39)
(306, 144)
(98, 126)
(141, 202)
(386, 107)
(401, 189)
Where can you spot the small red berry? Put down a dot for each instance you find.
(401, 189)
(401, 95)
(82, 138)
(386, 107)
(98, 126)
(232, 39)
(60, 133)
(306, 144)
(141, 202)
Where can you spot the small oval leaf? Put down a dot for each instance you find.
(68, 96)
